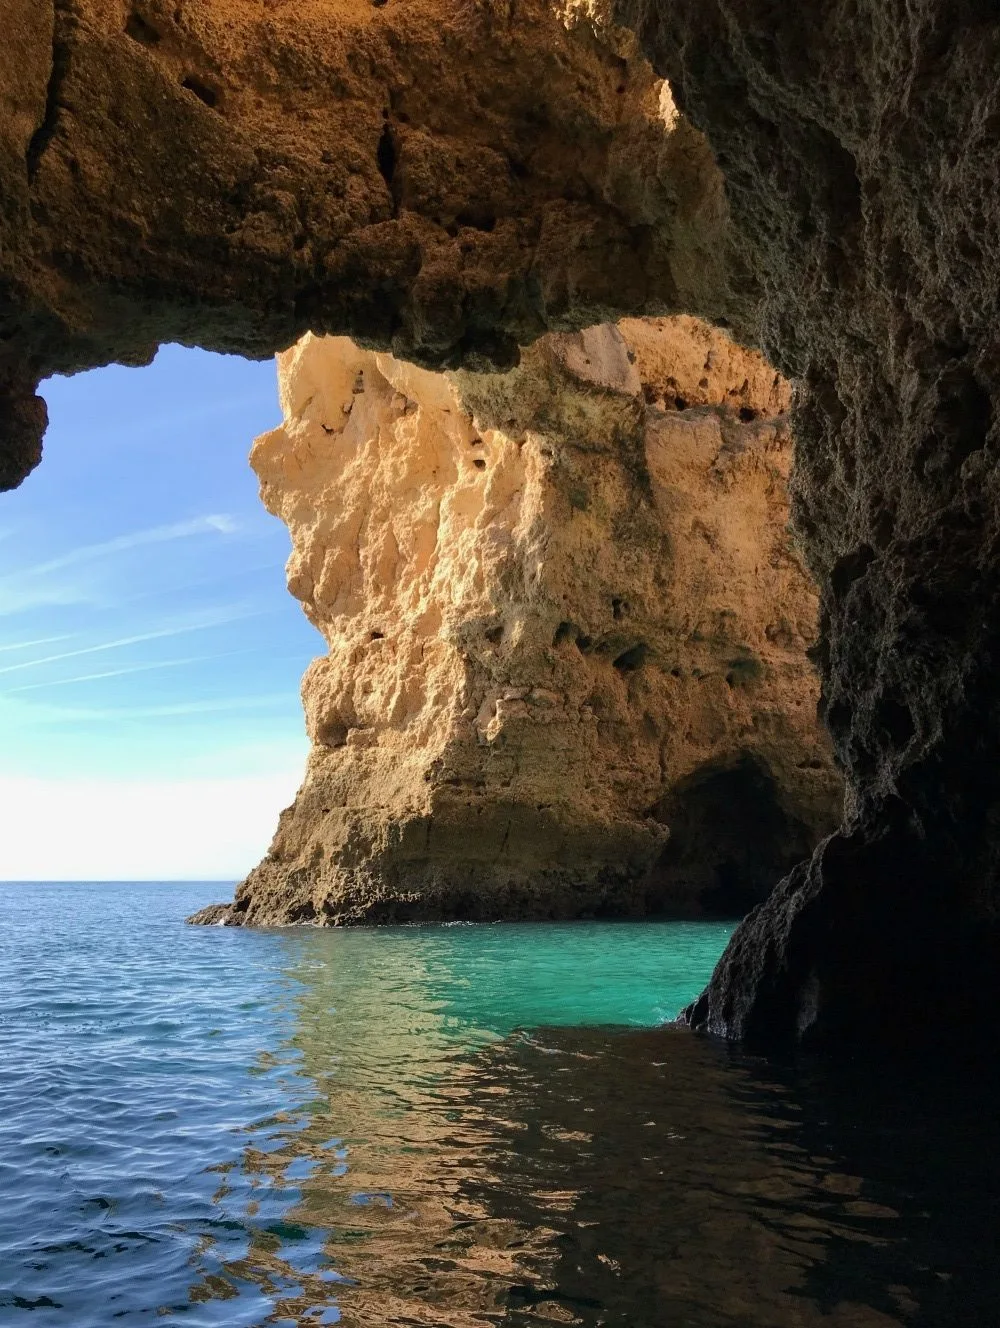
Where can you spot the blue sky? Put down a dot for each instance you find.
(150, 654)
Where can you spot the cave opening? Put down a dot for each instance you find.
(150, 655)
(371, 473)
(732, 837)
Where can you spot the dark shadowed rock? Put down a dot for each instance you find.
(859, 147)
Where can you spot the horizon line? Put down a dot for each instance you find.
(120, 880)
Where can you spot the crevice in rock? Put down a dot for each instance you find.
(386, 158)
(43, 135)
(202, 90)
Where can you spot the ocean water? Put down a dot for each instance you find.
(449, 1125)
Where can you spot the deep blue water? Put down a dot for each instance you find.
(447, 1126)
(162, 1086)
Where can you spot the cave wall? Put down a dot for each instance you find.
(445, 180)
(859, 144)
(563, 609)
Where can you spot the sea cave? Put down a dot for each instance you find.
(638, 372)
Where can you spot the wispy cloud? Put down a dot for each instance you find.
(226, 576)
(213, 618)
(215, 523)
(39, 641)
(55, 714)
(216, 706)
(124, 672)
(26, 599)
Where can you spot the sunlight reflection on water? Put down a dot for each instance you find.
(443, 1126)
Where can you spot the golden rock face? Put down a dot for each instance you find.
(564, 614)
(445, 180)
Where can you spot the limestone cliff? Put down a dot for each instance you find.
(567, 633)
(445, 179)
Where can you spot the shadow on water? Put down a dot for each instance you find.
(444, 1171)
(452, 1127)
(711, 1189)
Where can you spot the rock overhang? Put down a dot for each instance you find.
(156, 186)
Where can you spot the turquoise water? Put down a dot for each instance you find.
(451, 1126)
(163, 1088)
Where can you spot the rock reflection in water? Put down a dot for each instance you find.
(598, 1176)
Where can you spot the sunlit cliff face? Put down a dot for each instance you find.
(567, 630)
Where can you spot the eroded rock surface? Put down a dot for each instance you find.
(859, 143)
(448, 180)
(565, 620)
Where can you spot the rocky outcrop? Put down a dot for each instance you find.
(445, 180)
(859, 148)
(567, 630)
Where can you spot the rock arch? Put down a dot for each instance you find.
(452, 183)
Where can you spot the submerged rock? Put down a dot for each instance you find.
(567, 627)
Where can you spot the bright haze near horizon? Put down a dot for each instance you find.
(150, 653)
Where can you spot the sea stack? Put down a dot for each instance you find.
(568, 631)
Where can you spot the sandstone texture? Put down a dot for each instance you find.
(567, 627)
(448, 180)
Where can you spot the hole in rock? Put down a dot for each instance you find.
(141, 31)
(730, 841)
(744, 670)
(385, 155)
(324, 583)
(633, 658)
(150, 654)
(332, 734)
(851, 568)
(201, 90)
(477, 220)
(895, 718)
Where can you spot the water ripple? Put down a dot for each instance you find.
(446, 1126)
